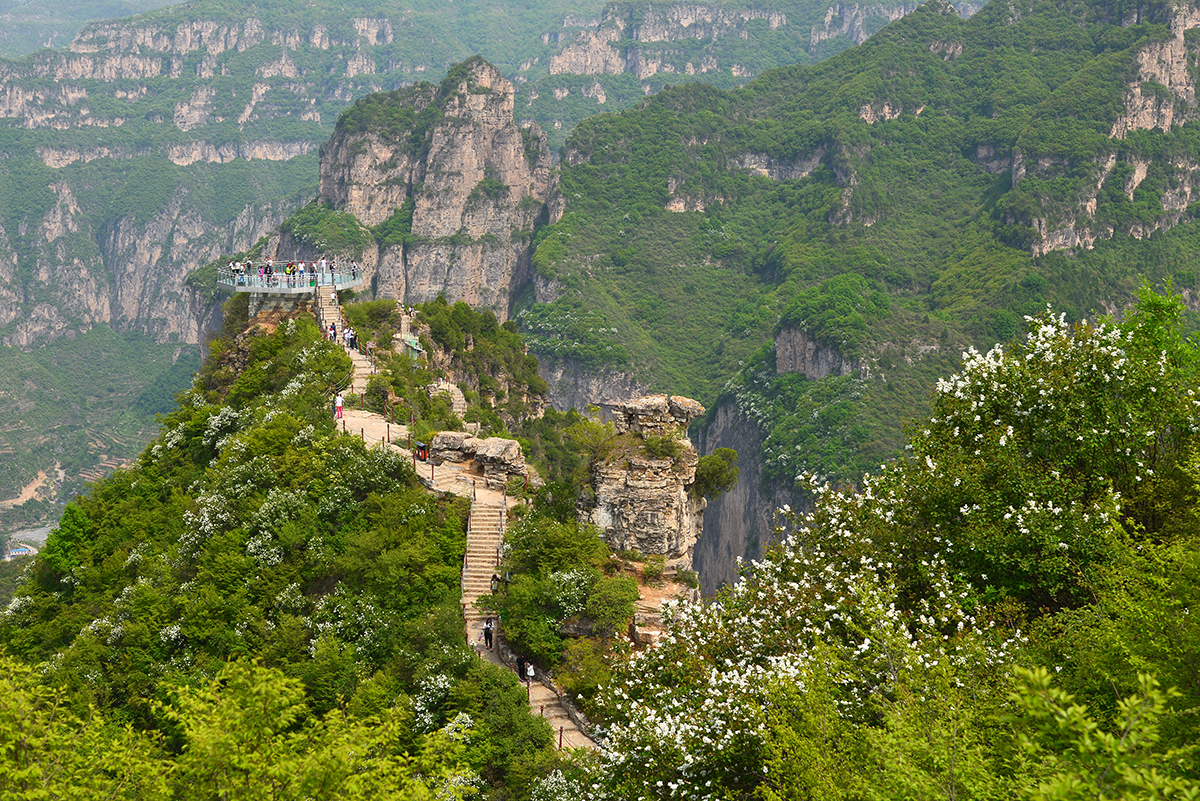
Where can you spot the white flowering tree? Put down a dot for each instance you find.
(870, 655)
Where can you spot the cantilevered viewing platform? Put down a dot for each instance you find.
(269, 283)
(272, 278)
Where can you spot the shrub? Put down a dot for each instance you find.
(652, 571)
(584, 669)
(611, 603)
(663, 447)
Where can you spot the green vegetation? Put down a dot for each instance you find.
(254, 596)
(998, 615)
(557, 605)
(493, 356)
(716, 473)
(326, 230)
(84, 400)
(888, 231)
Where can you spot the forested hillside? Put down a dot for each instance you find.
(262, 605)
(874, 215)
(259, 606)
(147, 146)
(1005, 613)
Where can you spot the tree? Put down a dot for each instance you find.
(1074, 757)
(716, 473)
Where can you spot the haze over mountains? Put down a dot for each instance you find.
(150, 145)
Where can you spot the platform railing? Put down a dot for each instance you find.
(250, 276)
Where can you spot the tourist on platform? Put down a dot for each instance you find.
(337, 406)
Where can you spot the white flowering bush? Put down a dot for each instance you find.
(571, 589)
(221, 426)
(687, 717)
(894, 611)
(427, 701)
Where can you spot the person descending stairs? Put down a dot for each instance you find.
(481, 562)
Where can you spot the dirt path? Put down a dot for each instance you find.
(27, 493)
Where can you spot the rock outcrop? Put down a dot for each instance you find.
(643, 491)
(797, 352)
(474, 180)
(573, 386)
(496, 459)
(128, 273)
(1160, 95)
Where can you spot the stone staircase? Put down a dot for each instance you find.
(328, 311)
(483, 541)
(458, 402)
(484, 530)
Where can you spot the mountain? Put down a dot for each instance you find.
(807, 253)
(26, 27)
(150, 145)
(253, 551)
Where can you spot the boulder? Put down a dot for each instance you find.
(453, 446)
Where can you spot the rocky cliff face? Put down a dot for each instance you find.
(643, 496)
(267, 87)
(1161, 94)
(476, 183)
(572, 386)
(128, 274)
(797, 352)
(740, 522)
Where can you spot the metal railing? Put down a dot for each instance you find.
(255, 276)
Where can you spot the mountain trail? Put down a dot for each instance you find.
(485, 537)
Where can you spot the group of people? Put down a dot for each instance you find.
(294, 272)
(349, 336)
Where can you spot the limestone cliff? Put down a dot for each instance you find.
(643, 485)
(1160, 94)
(573, 386)
(474, 180)
(797, 352)
(741, 521)
(128, 274)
